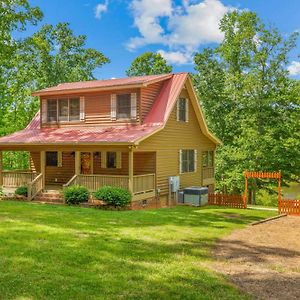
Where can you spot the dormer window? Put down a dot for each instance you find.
(124, 106)
(63, 110)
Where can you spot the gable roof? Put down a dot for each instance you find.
(129, 134)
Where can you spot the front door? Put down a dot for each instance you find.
(86, 163)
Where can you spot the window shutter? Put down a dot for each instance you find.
(59, 159)
(82, 116)
(119, 160)
(195, 160)
(44, 110)
(133, 106)
(177, 112)
(186, 110)
(180, 161)
(103, 159)
(113, 104)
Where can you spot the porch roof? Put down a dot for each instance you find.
(33, 134)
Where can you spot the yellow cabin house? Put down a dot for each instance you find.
(133, 133)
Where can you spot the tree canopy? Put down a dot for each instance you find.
(149, 63)
(50, 56)
(250, 102)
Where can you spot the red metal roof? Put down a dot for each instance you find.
(33, 134)
(102, 84)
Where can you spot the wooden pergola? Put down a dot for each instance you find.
(267, 175)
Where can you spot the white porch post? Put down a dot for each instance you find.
(1, 167)
(43, 165)
(77, 163)
(130, 170)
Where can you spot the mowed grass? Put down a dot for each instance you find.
(59, 252)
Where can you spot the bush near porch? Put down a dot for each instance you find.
(67, 252)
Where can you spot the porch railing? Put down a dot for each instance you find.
(94, 182)
(16, 178)
(35, 186)
(143, 185)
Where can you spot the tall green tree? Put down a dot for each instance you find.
(50, 56)
(149, 63)
(249, 100)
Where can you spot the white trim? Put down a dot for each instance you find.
(133, 106)
(186, 109)
(113, 103)
(81, 109)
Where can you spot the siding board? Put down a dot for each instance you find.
(175, 136)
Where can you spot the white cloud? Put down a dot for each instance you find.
(100, 9)
(176, 57)
(146, 18)
(182, 28)
(294, 68)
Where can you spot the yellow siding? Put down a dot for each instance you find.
(175, 136)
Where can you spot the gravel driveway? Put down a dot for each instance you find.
(263, 260)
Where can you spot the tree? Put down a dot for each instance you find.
(148, 63)
(50, 56)
(250, 101)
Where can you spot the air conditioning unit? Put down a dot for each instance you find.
(174, 183)
(195, 195)
(180, 198)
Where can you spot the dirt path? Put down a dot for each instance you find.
(263, 260)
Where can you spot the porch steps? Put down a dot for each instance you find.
(50, 196)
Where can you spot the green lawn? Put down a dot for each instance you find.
(58, 252)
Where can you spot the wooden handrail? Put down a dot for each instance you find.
(70, 181)
(34, 187)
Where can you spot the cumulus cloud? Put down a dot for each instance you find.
(176, 57)
(294, 68)
(147, 14)
(181, 28)
(100, 9)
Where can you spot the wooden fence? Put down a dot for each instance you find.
(234, 201)
(289, 207)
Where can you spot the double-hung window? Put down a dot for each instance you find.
(188, 161)
(123, 106)
(63, 110)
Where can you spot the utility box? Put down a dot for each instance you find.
(174, 183)
(195, 195)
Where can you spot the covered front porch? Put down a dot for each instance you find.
(55, 167)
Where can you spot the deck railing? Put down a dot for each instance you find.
(16, 178)
(35, 186)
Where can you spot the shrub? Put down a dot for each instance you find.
(117, 197)
(22, 191)
(76, 194)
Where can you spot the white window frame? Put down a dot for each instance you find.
(186, 170)
(45, 108)
(186, 109)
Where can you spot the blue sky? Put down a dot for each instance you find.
(124, 29)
